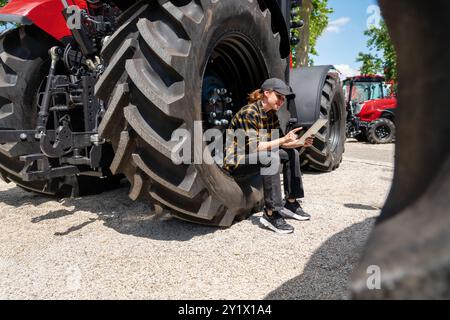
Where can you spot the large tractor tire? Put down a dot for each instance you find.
(381, 131)
(24, 62)
(23, 52)
(160, 63)
(328, 149)
(407, 256)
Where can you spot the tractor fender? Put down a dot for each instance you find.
(45, 14)
(307, 84)
(389, 114)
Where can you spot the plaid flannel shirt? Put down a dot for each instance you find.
(252, 119)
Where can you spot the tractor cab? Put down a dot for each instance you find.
(361, 89)
(370, 109)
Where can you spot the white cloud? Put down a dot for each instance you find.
(346, 71)
(336, 25)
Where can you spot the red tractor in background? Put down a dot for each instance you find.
(370, 109)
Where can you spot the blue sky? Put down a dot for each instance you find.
(344, 38)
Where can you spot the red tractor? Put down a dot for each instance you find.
(370, 109)
(95, 90)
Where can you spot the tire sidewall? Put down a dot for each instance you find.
(336, 154)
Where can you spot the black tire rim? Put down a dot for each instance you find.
(234, 69)
(383, 132)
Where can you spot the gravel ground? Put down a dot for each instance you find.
(107, 247)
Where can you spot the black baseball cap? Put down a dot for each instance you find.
(279, 86)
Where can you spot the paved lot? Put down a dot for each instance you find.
(107, 247)
(382, 153)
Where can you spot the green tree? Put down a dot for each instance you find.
(371, 64)
(380, 41)
(315, 14)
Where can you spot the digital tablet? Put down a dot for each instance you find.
(313, 130)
